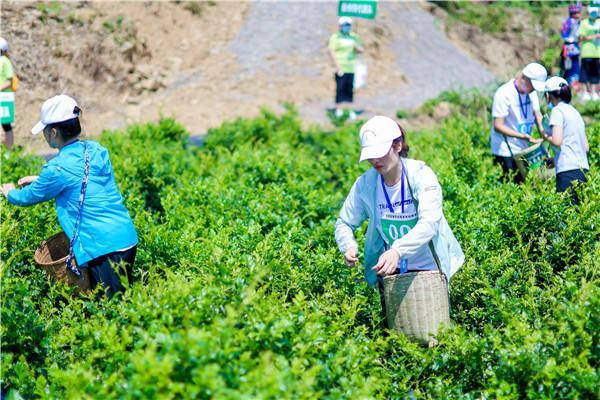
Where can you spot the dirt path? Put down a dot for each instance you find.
(134, 61)
(430, 61)
(275, 39)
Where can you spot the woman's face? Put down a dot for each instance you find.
(388, 162)
(50, 136)
(551, 100)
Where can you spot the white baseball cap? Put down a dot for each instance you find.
(376, 137)
(3, 44)
(344, 20)
(537, 74)
(555, 83)
(56, 109)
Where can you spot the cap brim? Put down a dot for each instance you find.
(38, 128)
(375, 151)
(538, 85)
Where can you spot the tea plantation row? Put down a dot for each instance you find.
(241, 292)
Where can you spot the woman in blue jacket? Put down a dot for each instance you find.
(90, 209)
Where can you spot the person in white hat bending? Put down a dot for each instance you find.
(88, 202)
(567, 134)
(515, 110)
(7, 75)
(343, 47)
(402, 200)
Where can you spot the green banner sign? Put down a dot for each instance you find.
(7, 107)
(357, 8)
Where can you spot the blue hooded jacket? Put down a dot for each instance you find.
(105, 225)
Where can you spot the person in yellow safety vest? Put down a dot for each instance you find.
(589, 37)
(7, 75)
(343, 47)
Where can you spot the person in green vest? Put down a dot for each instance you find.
(6, 85)
(589, 36)
(343, 47)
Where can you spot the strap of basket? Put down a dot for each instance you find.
(438, 263)
(508, 145)
(86, 173)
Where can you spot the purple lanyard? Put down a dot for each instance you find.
(524, 107)
(387, 197)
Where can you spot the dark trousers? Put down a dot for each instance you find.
(344, 88)
(509, 169)
(590, 71)
(9, 138)
(565, 180)
(101, 270)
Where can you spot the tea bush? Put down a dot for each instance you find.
(240, 291)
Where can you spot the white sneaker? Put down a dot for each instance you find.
(595, 96)
(352, 115)
(339, 112)
(585, 97)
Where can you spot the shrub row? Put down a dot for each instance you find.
(240, 291)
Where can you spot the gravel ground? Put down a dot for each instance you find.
(430, 62)
(272, 31)
(226, 63)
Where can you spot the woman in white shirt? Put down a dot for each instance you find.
(567, 136)
(402, 200)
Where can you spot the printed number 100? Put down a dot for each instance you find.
(393, 231)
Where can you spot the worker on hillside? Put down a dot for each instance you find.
(344, 45)
(515, 110)
(570, 49)
(402, 200)
(89, 206)
(567, 134)
(8, 83)
(589, 36)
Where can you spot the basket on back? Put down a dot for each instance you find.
(417, 304)
(52, 256)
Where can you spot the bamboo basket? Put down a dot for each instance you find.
(417, 304)
(51, 256)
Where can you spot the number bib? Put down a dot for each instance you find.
(395, 226)
(398, 217)
(525, 128)
(7, 107)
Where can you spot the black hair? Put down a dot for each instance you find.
(563, 94)
(70, 128)
(402, 141)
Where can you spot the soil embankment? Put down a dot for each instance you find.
(206, 62)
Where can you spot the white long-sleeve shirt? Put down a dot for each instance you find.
(360, 205)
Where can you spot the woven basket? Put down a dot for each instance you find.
(417, 304)
(52, 256)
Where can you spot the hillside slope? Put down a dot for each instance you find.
(203, 63)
